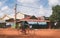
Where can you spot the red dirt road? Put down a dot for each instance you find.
(40, 33)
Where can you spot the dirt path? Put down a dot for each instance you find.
(40, 33)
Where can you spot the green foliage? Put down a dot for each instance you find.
(56, 13)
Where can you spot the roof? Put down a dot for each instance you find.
(34, 20)
(5, 16)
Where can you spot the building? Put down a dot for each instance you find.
(19, 16)
(5, 17)
(23, 17)
(37, 22)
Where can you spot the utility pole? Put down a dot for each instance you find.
(15, 15)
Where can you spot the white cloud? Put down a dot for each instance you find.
(41, 11)
(26, 1)
(53, 2)
(48, 12)
(28, 9)
(33, 11)
(28, 6)
(1, 14)
(44, 11)
(4, 8)
(0, 3)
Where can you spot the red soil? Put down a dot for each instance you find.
(40, 33)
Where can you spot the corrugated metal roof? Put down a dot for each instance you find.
(34, 20)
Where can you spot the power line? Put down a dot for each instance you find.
(28, 6)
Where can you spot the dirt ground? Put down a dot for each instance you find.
(40, 33)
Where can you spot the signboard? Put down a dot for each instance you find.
(42, 23)
(32, 22)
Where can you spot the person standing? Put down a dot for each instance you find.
(55, 24)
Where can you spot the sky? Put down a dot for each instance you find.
(29, 7)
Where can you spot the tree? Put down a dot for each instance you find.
(55, 14)
(33, 17)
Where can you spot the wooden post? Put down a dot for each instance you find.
(49, 25)
(15, 15)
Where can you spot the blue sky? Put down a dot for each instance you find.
(30, 7)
